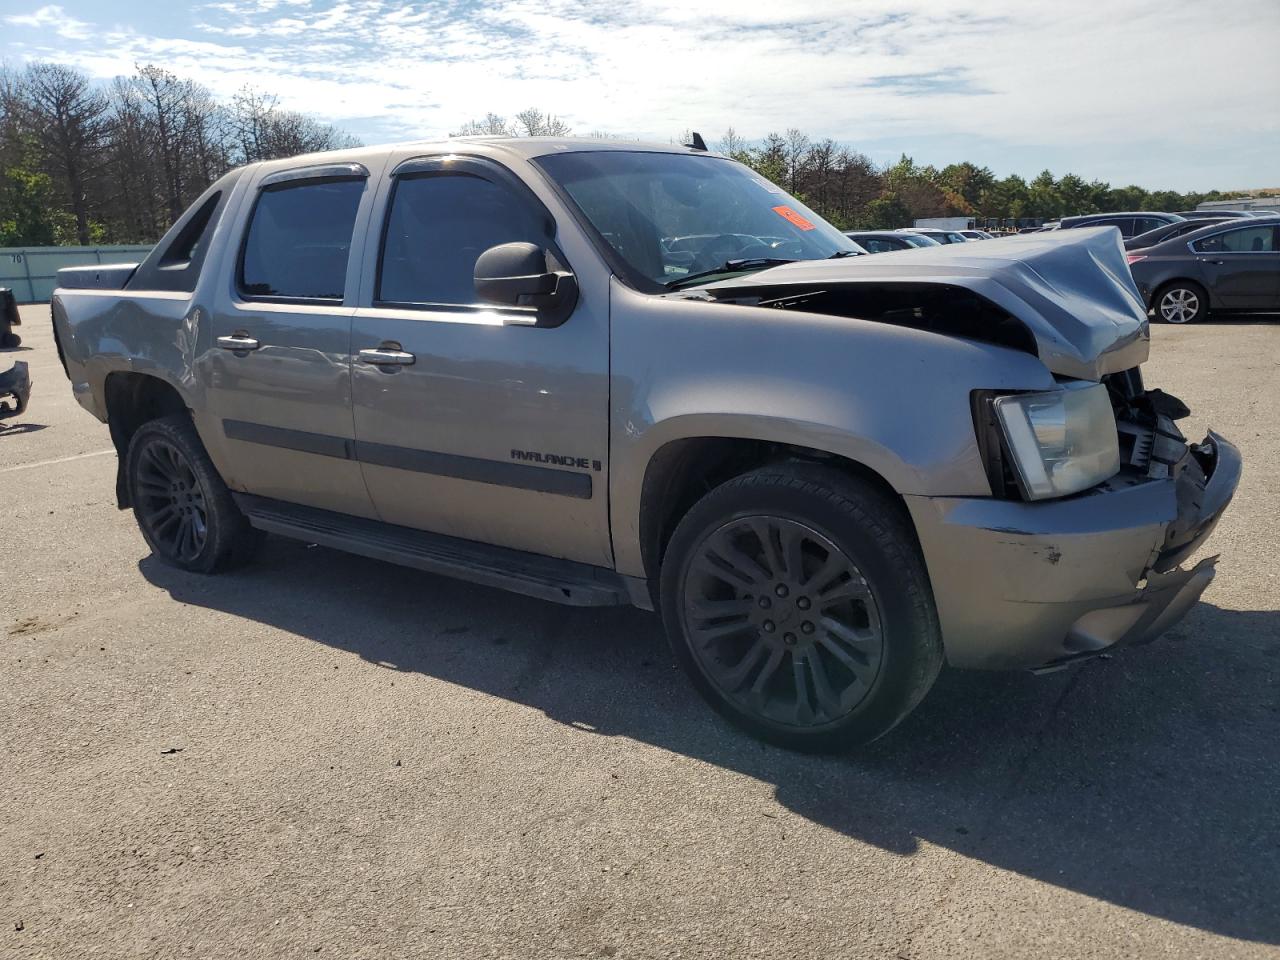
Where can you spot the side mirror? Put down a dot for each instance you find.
(525, 275)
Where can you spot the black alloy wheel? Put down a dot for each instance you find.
(782, 621)
(183, 508)
(170, 503)
(796, 599)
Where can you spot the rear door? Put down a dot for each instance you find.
(1241, 266)
(279, 367)
(469, 420)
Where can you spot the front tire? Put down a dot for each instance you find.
(1181, 302)
(796, 599)
(183, 508)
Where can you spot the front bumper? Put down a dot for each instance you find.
(15, 390)
(1037, 584)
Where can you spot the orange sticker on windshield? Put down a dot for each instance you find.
(786, 213)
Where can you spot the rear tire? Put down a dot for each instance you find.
(184, 510)
(1182, 301)
(796, 599)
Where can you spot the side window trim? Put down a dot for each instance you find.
(482, 168)
(323, 171)
(285, 179)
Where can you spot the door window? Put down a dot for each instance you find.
(1123, 224)
(299, 240)
(438, 226)
(1248, 240)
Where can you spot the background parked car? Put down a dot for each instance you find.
(883, 241)
(1129, 224)
(1167, 232)
(941, 236)
(1232, 265)
(977, 235)
(1217, 214)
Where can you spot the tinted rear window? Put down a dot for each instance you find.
(1248, 240)
(300, 239)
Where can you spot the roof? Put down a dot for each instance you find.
(1120, 213)
(879, 233)
(524, 147)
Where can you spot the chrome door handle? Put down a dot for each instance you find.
(386, 356)
(239, 340)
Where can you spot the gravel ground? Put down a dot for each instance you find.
(322, 754)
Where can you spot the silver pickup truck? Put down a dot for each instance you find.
(609, 373)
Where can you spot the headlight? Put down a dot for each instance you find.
(1062, 441)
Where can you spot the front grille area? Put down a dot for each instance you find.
(1150, 441)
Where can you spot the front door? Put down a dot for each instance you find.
(471, 420)
(279, 366)
(1241, 267)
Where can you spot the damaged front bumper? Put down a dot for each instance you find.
(1039, 584)
(15, 390)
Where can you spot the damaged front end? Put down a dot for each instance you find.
(1038, 573)
(1040, 584)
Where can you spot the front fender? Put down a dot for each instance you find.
(894, 400)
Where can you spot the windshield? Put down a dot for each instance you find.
(920, 240)
(673, 217)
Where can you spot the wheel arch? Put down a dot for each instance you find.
(683, 470)
(132, 399)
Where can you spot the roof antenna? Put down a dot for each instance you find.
(698, 142)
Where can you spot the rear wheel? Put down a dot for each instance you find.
(796, 599)
(183, 508)
(1181, 302)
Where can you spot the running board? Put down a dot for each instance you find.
(562, 581)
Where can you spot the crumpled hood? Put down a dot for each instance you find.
(1071, 288)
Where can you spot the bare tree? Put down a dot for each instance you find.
(732, 145)
(67, 117)
(260, 130)
(796, 148)
(164, 97)
(491, 126)
(535, 123)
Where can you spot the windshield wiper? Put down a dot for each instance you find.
(729, 266)
(845, 253)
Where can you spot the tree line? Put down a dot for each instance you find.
(83, 162)
(88, 163)
(848, 189)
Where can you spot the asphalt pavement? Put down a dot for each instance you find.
(326, 755)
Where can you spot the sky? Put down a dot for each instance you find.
(1166, 94)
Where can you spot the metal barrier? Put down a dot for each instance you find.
(31, 272)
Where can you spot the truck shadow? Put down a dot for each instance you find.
(1148, 780)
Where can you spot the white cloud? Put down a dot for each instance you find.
(1084, 80)
(54, 18)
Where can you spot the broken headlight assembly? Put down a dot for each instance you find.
(1054, 443)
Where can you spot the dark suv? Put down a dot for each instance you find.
(1129, 224)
